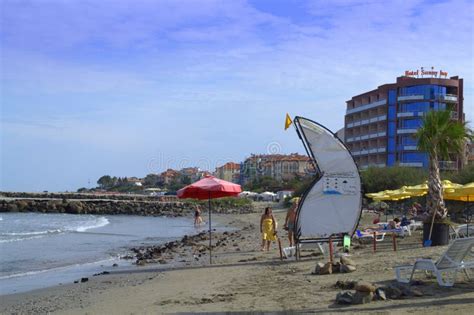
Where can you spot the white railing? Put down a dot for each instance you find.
(406, 114)
(369, 151)
(449, 97)
(410, 97)
(448, 165)
(366, 121)
(403, 131)
(368, 136)
(412, 164)
(366, 106)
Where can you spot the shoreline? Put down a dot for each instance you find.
(127, 259)
(243, 278)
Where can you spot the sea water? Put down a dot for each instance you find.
(39, 250)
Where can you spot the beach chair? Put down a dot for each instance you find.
(458, 257)
(379, 235)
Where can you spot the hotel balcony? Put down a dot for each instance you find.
(449, 98)
(410, 98)
(408, 130)
(408, 148)
(366, 166)
(448, 165)
(366, 121)
(412, 164)
(367, 136)
(366, 107)
(368, 151)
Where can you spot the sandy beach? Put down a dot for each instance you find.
(244, 279)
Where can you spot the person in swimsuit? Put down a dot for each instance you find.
(290, 222)
(267, 228)
(197, 216)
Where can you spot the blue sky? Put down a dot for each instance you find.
(127, 88)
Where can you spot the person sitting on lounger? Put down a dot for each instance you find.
(394, 224)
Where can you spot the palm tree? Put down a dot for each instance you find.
(440, 136)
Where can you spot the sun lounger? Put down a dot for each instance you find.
(415, 225)
(379, 235)
(458, 257)
(463, 230)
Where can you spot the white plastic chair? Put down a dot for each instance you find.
(458, 257)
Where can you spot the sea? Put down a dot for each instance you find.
(40, 250)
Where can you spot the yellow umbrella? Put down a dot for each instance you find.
(448, 186)
(399, 194)
(461, 193)
(419, 190)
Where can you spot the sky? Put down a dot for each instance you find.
(128, 88)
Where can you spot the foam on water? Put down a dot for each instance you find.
(33, 226)
(39, 250)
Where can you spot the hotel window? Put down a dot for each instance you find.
(410, 123)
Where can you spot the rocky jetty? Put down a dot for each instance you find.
(109, 207)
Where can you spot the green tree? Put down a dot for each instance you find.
(105, 182)
(440, 136)
(185, 180)
(151, 180)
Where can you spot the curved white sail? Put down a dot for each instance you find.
(331, 206)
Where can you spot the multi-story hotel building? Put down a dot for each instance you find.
(380, 124)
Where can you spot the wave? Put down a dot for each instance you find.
(32, 233)
(101, 221)
(35, 272)
(21, 239)
(78, 227)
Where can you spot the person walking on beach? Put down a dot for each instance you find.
(267, 228)
(197, 216)
(290, 222)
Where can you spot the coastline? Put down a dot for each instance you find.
(243, 278)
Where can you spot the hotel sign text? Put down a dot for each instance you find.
(421, 73)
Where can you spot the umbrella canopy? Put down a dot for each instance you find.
(209, 187)
(463, 193)
(451, 191)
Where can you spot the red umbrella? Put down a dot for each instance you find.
(209, 188)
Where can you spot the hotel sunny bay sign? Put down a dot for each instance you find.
(422, 73)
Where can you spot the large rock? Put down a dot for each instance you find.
(416, 292)
(393, 292)
(346, 268)
(344, 298)
(345, 284)
(380, 294)
(317, 269)
(347, 261)
(362, 297)
(326, 269)
(364, 287)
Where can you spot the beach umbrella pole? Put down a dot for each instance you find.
(210, 235)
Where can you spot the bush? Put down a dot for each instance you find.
(466, 175)
(376, 179)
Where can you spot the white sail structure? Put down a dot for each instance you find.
(331, 206)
